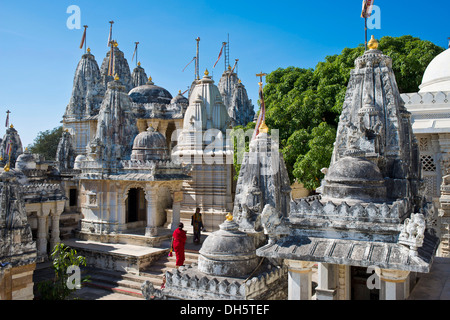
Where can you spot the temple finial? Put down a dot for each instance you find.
(373, 43)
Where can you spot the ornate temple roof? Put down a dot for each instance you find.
(372, 210)
(138, 76)
(88, 90)
(121, 68)
(150, 93)
(234, 94)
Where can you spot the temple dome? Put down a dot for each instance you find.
(228, 252)
(150, 93)
(355, 178)
(25, 161)
(150, 145)
(437, 74)
(180, 99)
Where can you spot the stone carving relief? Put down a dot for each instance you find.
(412, 233)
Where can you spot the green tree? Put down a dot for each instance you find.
(46, 143)
(58, 288)
(305, 104)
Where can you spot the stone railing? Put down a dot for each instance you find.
(180, 284)
(368, 212)
(439, 97)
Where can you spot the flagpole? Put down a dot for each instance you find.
(365, 31)
(85, 37)
(197, 73)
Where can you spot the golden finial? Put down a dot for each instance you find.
(206, 72)
(150, 78)
(373, 43)
(229, 67)
(6, 168)
(11, 126)
(139, 64)
(89, 50)
(115, 44)
(239, 81)
(116, 77)
(179, 91)
(263, 127)
(229, 216)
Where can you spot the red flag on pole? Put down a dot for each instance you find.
(189, 63)
(366, 8)
(83, 39)
(220, 53)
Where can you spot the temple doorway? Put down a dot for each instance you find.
(136, 205)
(359, 287)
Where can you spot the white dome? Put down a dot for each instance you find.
(437, 74)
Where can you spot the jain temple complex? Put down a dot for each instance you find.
(134, 161)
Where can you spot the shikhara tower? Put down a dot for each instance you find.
(372, 211)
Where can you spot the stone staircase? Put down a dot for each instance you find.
(130, 284)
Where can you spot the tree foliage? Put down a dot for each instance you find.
(305, 104)
(46, 143)
(57, 288)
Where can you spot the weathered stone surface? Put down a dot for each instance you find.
(263, 180)
(65, 155)
(115, 127)
(12, 137)
(17, 248)
(121, 68)
(88, 90)
(372, 211)
(138, 77)
(228, 252)
(239, 106)
(188, 283)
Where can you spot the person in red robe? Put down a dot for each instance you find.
(179, 240)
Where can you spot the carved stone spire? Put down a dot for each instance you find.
(138, 77)
(115, 127)
(239, 106)
(88, 90)
(121, 68)
(374, 127)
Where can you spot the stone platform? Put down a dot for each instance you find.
(115, 256)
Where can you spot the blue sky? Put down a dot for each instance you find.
(39, 54)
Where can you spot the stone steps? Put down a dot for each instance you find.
(130, 284)
(158, 269)
(118, 282)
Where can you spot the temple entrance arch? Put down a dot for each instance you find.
(135, 205)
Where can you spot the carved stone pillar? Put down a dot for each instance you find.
(177, 198)
(299, 279)
(42, 233)
(394, 284)
(151, 196)
(54, 240)
(328, 281)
